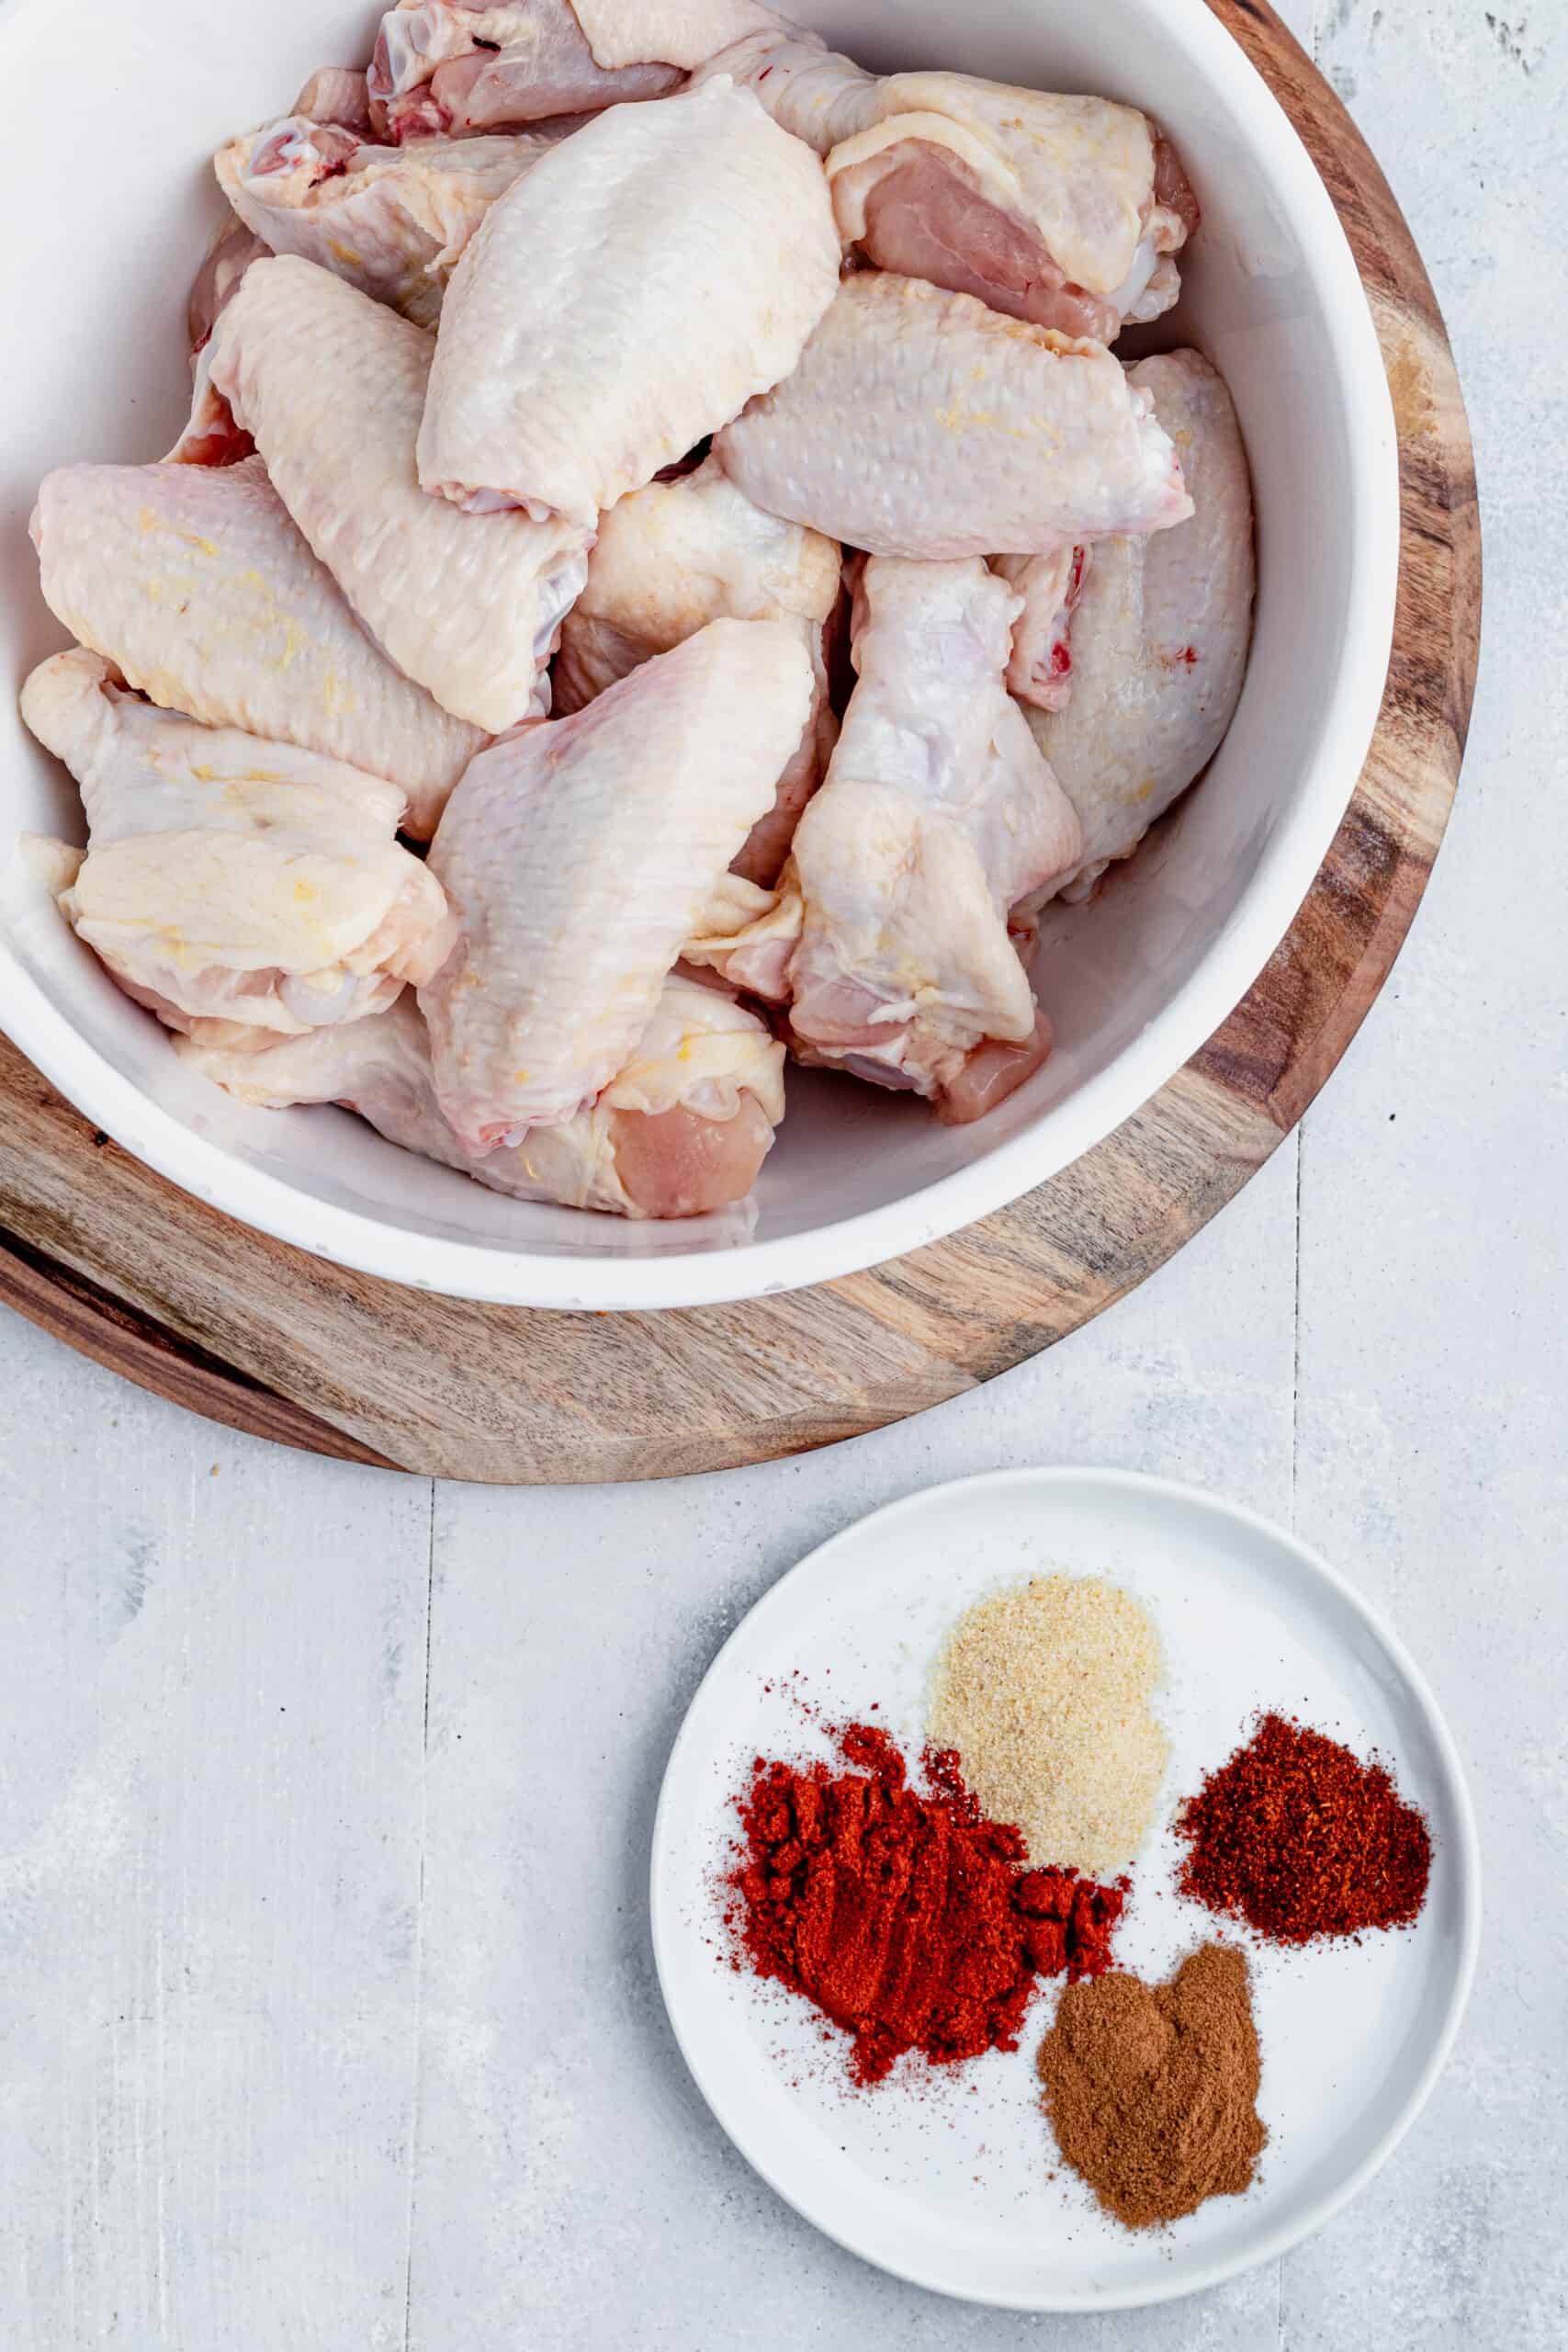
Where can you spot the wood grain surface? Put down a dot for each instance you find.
(120, 1264)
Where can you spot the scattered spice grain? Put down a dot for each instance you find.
(1300, 1839)
(1152, 2090)
(1045, 1689)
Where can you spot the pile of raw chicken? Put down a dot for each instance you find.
(664, 575)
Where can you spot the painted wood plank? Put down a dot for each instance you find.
(211, 1729)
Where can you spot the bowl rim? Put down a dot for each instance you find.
(494, 1272)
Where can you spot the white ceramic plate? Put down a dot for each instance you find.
(941, 2176)
(1134, 983)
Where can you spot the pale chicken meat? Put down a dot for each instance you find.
(443, 68)
(580, 855)
(394, 221)
(211, 437)
(625, 298)
(921, 424)
(339, 93)
(681, 1131)
(332, 386)
(450, 71)
(230, 254)
(939, 816)
(668, 560)
(194, 582)
(747, 935)
(1040, 670)
(230, 885)
(1062, 210)
(1160, 637)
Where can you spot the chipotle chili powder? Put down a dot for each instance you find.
(1300, 1839)
(907, 1918)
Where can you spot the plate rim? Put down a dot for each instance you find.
(1285, 2236)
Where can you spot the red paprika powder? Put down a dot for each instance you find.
(1300, 1839)
(908, 1919)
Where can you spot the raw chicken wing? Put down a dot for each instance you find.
(624, 298)
(332, 386)
(682, 32)
(1062, 210)
(211, 437)
(680, 1131)
(810, 89)
(747, 935)
(229, 881)
(194, 582)
(392, 221)
(921, 424)
(1040, 670)
(580, 854)
(445, 68)
(1160, 637)
(938, 816)
(677, 555)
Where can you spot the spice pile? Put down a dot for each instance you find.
(920, 1913)
(1045, 1693)
(1301, 1839)
(1152, 2090)
(907, 1918)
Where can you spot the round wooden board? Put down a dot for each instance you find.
(112, 1259)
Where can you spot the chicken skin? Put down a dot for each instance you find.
(625, 298)
(1159, 639)
(333, 385)
(232, 885)
(197, 585)
(682, 32)
(681, 1130)
(921, 424)
(580, 854)
(677, 555)
(938, 817)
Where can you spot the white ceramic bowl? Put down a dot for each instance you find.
(113, 202)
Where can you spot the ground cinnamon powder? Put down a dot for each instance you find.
(1152, 2089)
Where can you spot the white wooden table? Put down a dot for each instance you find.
(327, 2013)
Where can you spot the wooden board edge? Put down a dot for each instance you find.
(90, 1319)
